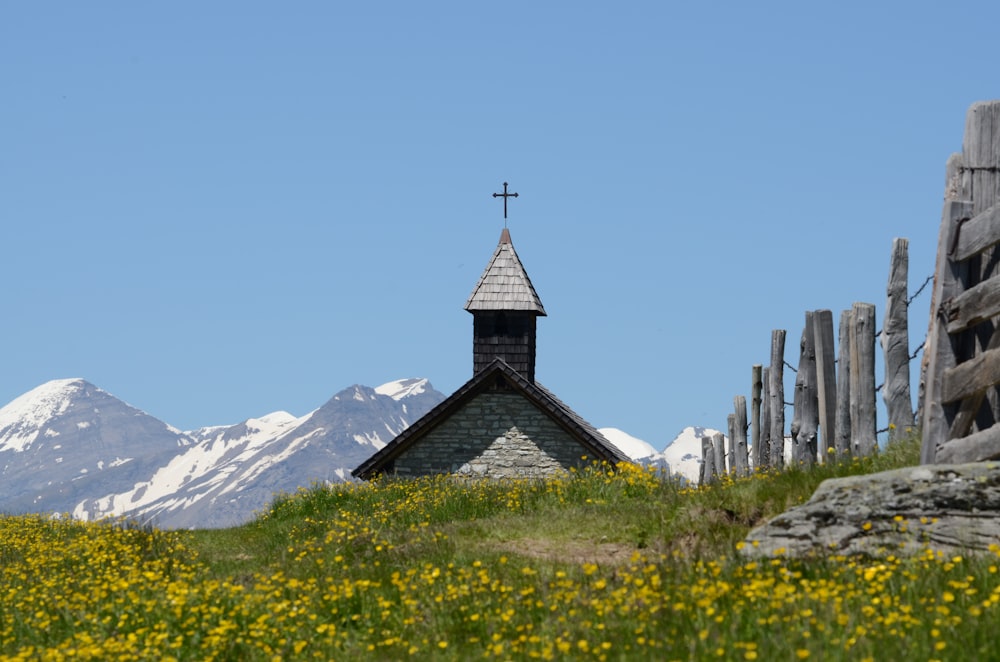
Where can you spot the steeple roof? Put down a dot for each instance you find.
(504, 284)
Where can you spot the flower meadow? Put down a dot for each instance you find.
(598, 564)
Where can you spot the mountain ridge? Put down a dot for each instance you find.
(68, 446)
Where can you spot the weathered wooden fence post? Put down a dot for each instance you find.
(740, 459)
(895, 345)
(776, 398)
(756, 387)
(764, 456)
(948, 278)
(826, 381)
(707, 470)
(805, 416)
(863, 378)
(719, 446)
(731, 442)
(842, 426)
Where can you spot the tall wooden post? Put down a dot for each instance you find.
(776, 398)
(706, 474)
(826, 381)
(739, 435)
(843, 445)
(895, 345)
(765, 418)
(957, 209)
(731, 443)
(863, 378)
(805, 419)
(719, 447)
(756, 387)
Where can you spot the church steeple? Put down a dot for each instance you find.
(505, 308)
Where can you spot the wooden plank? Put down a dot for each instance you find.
(971, 377)
(977, 234)
(976, 304)
(863, 378)
(895, 345)
(977, 447)
(980, 147)
(939, 353)
(805, 419)
(776, 399)
(842, 426)
(966, 415)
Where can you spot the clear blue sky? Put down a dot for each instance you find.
(217, 210)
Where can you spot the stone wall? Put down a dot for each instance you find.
(496, 435)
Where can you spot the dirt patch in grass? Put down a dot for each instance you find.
(570, 551)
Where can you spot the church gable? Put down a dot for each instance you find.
(497, 435)
(497, 424)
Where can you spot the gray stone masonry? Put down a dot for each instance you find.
(496, 435)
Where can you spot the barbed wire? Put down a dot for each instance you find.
(920, 289)
(878, 334)
(913, 355)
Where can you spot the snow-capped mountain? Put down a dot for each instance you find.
(67, 438)
(68, 446)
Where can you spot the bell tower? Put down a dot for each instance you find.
(505, 309)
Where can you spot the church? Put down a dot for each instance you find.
(501, 423)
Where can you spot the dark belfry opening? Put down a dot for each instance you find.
(509, 335)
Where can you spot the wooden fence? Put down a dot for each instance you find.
(959, 398)
(961, 415)
(834, 408)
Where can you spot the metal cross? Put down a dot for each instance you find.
(505, 195)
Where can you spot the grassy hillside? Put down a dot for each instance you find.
(594, 565)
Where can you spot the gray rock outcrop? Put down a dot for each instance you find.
(949, 508)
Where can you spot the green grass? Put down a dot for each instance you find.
(597, 565)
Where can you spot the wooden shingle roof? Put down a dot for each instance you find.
(504, 284)
(596, 444)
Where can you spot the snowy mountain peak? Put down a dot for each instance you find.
(277, 418)
(41, 403)
(22, 419)
(403, 388)
(272, 423)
